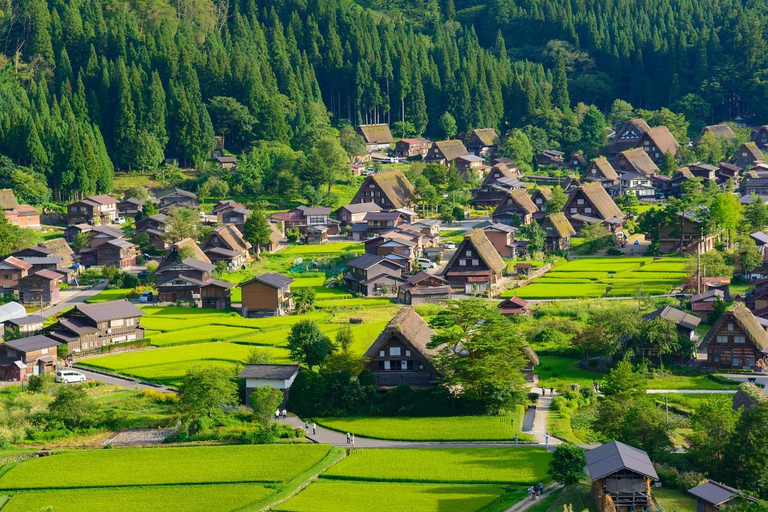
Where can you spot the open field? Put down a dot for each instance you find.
(332, 496)
(554, 371)
(166, 498)
(456, 428)
(139, 466)
(606, 277)
(107, 295)
(509, 466)
(672, 500)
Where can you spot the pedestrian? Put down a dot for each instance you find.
(552, 391)
(348, 438)
(314, 428)
(353, 439)
(546, 440)
(515, 439)
(277, 415)
(306, 428)
(543, 391)
(541, 487)
(530, 493)
(285, 414)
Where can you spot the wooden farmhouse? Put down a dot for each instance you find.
(278, 376)
(718, 131)
(41, 288)
(400, 353)
(88, 327)
(101, 209)
(372, 275)
(390, 190)
(747, 155)
(760, 136)
(496, 185)
(657, 142)
(737, 341)
(559, 232)
(445, 152)
(712, 496)
(591, 203)
(517, 209)
(177, 197)
(540, 198)
(350, 214)
(226, 243)
(27, 325)
(705, 301)
(32, 355)
(475, 267)
(471, 167)
(116, 253)
(377, 137)
(190, 280)
(424, 288)
(502, 238)
(628, 136)
(130, 206)
(601, 171)
(637, 161)
(514, 306)
(12, 270)
(549, 158)
(267, 295)
(687, 235)
(686, 323)
(413, 147)
(622, 477)
(749, 396)
(483, 142)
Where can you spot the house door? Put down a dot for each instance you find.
(725, 361)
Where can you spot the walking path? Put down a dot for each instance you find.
(691, 391)
(527, 503)
(73, 298)
(539, 430)
(327, 436)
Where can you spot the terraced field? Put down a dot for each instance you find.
(606, 277)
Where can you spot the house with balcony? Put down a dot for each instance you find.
(373, 275)
(89, 327)
(100, 209)
(190, 280)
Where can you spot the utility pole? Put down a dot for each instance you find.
(698, 270)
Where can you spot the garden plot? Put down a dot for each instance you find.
(611, 277)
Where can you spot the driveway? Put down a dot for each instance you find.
(71, 298)
(114, 380)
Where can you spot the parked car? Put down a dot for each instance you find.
(425, 263)
(449, 245)
(119, 220)
(146, 297)
(69, 376)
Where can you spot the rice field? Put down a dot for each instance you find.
(588, 278)
(455, 428)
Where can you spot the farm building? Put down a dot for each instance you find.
(657, 142)
(549, 158)
(278, 376)
(178, 198)
(267, 295)
(514, 306)
(622, 477)
(737, 341)
(371, 275)
(390, 190)
(12, 270)
(688, 235)
(445, 152)
(591, 203)
(759, 136)
(130, 206)
(475, 266)
(516, 209)
(26, 325)
(747, 155)
(410, 148)
(424, 288)
(628, 136)
(749, 396)
(705, 301)
(637, 161)
(601, 171)
(400, 353)
(712, 496)
(350, 214)
(11, 311)
(33, 355)
(497, 183)
(685, 322)
(101, 209)
(559, 232)
(377, 137)
(226, 243)
(503, 239)
(42, 287)
(116, 253)
(190, 280)
(483, 142)
(540, 198)
(719, 131)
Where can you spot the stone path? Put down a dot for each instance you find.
(526, 503)
(326, 436)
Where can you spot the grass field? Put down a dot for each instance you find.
(672, 500)
(606, 277)
(139, 466)
(332, 496)
(107, 295)
(509, 466)
(166, 498)
(456, 428)
(554, 371)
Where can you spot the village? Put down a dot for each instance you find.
(572, 284)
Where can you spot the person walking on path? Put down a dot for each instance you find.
(285, 414)
(348, 438)
(353, 439)
(314, 428)
(546, 440)
(306, 428)
(530, 493)
(543, 391)
(277, 415)
(515, 439)
(552, 391)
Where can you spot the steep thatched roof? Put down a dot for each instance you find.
(561, 224)
(523, 200)
(752, 149)
(603, 168)
(396, 187)
(451, 149)
(376, 133)
(409, 325)
(275, 234)
(484, 136)
(744, 318)
(174, 255)
(8, 199)
(749, 396)
(231, 236)
(720, 131)
(484, 248)
(663, 139)
(60, 248)
(546, 193)
(638, 160)
(600, 200)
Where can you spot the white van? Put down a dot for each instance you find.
(425, 263)
(69, 376)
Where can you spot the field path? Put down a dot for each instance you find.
(539, 430)
(526, 503)
(327, 436)
(71, 298)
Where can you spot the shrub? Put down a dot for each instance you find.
(533, 397)
(613, 252)
(559, 403)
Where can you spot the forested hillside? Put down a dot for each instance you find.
(88, 85)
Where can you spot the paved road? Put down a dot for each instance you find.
(539, 430)
(73, 298)
(527, 503)
(691, 391)
(125, 382)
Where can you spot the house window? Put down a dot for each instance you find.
(403, 364)
(739, 339)
(381, 353)
(574, 210)
(735, 362)
(579, 201)
(386, 365)
(475, 263)
(394, 351)
(716, 358)
(44, 351)
(468, 254)
(116, 323)
(421, 366)
(730, 327)
(722, 338)
(587, 210)
(751, 361)
(407, 353)
(462, 263)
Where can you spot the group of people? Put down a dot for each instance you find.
(544, 391)
(596, 386)
(350, 439)
(307, 426)
(279, 415)
(535, 491)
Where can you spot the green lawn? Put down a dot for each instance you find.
(554, 371)
(154, 466)
(673, 500)
(321, 249)
(332, 496)
(107, 295)
(455, 428)
(690, 382)
(610, 276)
(166, 498)
(509, 466)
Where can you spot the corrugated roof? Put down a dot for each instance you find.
(36, 260)
(32, 343)
(615, 456)
(16, 262)
(679, 317)
(361, 208)
(713, 492)
(269, 371)
(26, 320)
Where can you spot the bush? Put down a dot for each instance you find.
(533, 397)
(613, 252)
(42, 383)
(559, 403)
